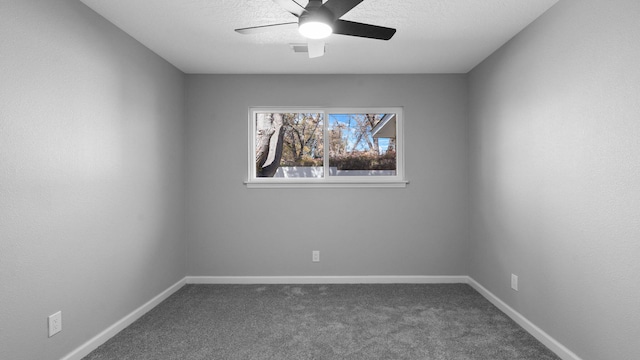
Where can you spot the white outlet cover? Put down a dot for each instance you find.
(514, 282)
(55, 323)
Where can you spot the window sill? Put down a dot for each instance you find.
(283, 184)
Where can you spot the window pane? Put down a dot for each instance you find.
(289, 145)
(362, 144)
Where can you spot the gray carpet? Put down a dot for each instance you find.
(297, 322)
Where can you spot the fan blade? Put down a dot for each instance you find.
(340, 7)
(351, 28)
(266, 28)
(291, 6)
(316, 48)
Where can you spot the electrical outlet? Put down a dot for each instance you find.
(514, 282)
(55, 323)
(315, 256)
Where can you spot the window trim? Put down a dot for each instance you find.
(394, 181)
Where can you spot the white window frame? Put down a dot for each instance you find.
(327, 181)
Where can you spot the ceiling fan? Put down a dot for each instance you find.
(317, 21)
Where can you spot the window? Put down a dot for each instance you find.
(324, 147)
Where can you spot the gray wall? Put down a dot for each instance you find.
(418, 230)
(91, 176)
(555, 138)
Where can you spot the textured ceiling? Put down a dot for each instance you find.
(433, 36)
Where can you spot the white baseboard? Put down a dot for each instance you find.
(112, 330)
(530, 327)
(326, 279)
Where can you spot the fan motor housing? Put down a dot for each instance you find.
(321, 14)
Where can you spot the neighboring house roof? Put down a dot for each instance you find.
(386, 128)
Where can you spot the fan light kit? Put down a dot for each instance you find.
(315, 30)
(317, 21)
(315, 24)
